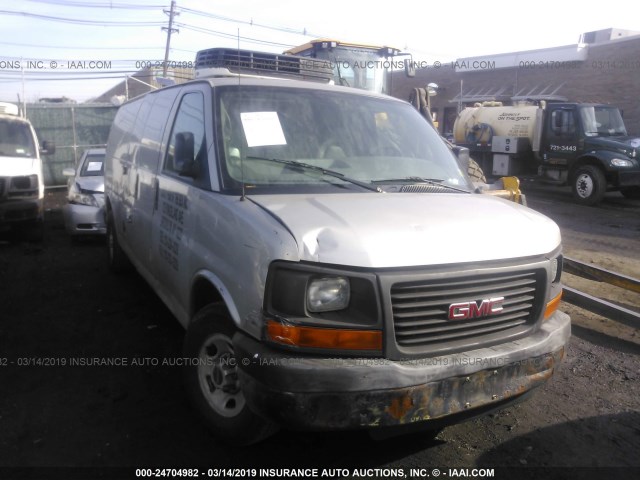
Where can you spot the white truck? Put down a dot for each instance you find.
(313, 240)
(21, 178)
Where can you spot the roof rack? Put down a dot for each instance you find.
(225, 62)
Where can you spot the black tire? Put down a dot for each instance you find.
(212, 383)
(117, 259)
(475, 172)
(589, 185)
(630, 192)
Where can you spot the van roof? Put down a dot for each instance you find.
(253, 81)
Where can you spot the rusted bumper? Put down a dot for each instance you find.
(333, 394)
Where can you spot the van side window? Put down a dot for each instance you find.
(187, 150)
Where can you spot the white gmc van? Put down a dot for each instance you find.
(21, 179)
(333, 266)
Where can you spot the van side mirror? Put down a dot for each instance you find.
(183, 158)
(47, 148)
(462, 154)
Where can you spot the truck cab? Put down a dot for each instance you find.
(312, 239)
(583, 145)
(21, 178)
(587, 145)
(354, 65)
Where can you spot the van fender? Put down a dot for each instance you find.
(202, 296)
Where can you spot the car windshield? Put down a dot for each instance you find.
(16, 139)
(93, 166)
(306, 139)
(602, 121)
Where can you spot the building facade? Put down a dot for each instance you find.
(603, 68)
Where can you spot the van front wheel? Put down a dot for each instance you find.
(211, 379)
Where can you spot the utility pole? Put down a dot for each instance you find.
(169, 30)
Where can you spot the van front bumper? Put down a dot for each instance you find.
(18, 211)
(320, 393)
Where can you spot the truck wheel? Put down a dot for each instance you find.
(211, 379)
(475, 172)
(589, 185)
(630, 192)
(118, 261)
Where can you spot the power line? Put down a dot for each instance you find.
(302, 31)
(106, 5)
(76, 47)
(232, 36)
(83, 22)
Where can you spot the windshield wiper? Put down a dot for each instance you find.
(430, 181)
(324, 171)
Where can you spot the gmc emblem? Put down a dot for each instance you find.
(483, 308)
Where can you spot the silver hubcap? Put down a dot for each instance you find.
(584, 186)
(218, 376)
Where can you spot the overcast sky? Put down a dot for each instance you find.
(123, 34)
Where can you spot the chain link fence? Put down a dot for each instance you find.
(73, 128)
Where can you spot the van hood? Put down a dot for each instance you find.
(18, 166)
(377, 230)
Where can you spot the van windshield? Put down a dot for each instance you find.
(16, 139)
(267, 133)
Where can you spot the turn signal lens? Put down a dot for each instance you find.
(552, 306)
(332, 338)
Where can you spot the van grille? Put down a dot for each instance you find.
(421, 309)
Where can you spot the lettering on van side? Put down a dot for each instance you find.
(173, 208)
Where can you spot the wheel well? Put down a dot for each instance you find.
(581, 162)
(204, 293)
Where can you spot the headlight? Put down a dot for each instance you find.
(320, 307)
(24, 182)
(556, 269)
(621, 162)
(555, 290)
(75, 196)
(328, 294)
